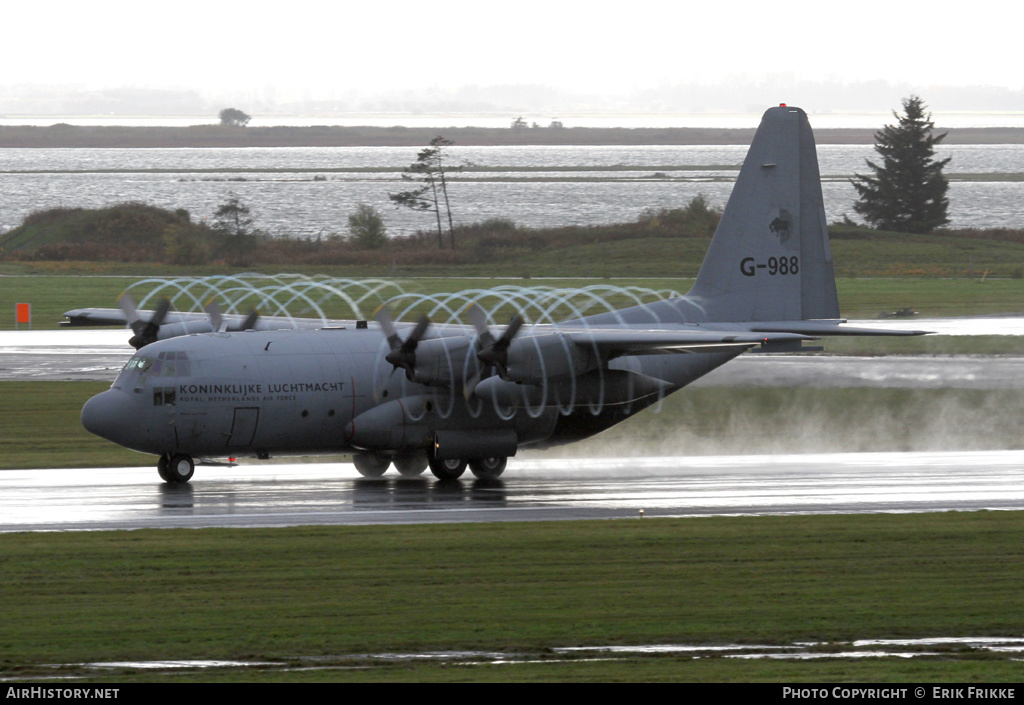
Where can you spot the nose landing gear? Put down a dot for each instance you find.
(175, 468)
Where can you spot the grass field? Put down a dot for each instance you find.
(53, 294)
(330, 595)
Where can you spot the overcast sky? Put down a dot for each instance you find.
(322, 49)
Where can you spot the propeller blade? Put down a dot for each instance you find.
(145, 331)
(131, 313)
(161, 312)
(496, 354)
(510, 332)
(479, 320)
(403, 352)
(387, 326)
(417, 333)
(216, 318)
(250, 321)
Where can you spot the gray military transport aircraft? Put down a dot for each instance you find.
(470, 396)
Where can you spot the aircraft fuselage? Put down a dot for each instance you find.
(327, 391)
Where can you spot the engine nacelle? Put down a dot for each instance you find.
(395, 425)
(173, 330)
(531, 360)
(440, 361)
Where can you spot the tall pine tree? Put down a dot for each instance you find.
(908, 191)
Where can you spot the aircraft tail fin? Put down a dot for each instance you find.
(770, 258)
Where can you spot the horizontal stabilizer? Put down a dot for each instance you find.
(820, 329)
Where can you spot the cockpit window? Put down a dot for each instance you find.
(168, 363)
(171, 363)
(137, 363)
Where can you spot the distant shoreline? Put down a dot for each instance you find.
(215, 136)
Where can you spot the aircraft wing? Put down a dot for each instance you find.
(98, 317)
(116, 317)
(616, 343)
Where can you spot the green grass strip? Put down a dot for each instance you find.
(339, 591)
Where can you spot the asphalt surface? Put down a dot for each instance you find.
(532, 489)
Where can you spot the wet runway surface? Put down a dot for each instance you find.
(532, 489)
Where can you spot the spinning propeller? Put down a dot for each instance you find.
(145, 331)
(148, 331)
(220, 325)
(494, 351)
(403, 352)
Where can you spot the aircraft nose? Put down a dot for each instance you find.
(107, 415)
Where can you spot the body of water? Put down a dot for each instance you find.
(869, 120)
(310, 190)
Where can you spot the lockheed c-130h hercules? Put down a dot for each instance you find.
(469, 395)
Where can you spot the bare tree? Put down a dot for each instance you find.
(429, 170)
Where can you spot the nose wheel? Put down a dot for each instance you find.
(175, 468)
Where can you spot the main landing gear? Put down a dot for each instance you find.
(488, 468)
(372, 465)
(483, 468)
(175, 468)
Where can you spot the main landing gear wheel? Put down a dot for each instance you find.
(161, 467)
(175, 469)
(450, 469)
(410, 465)
(370, 465)
(488, 468)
